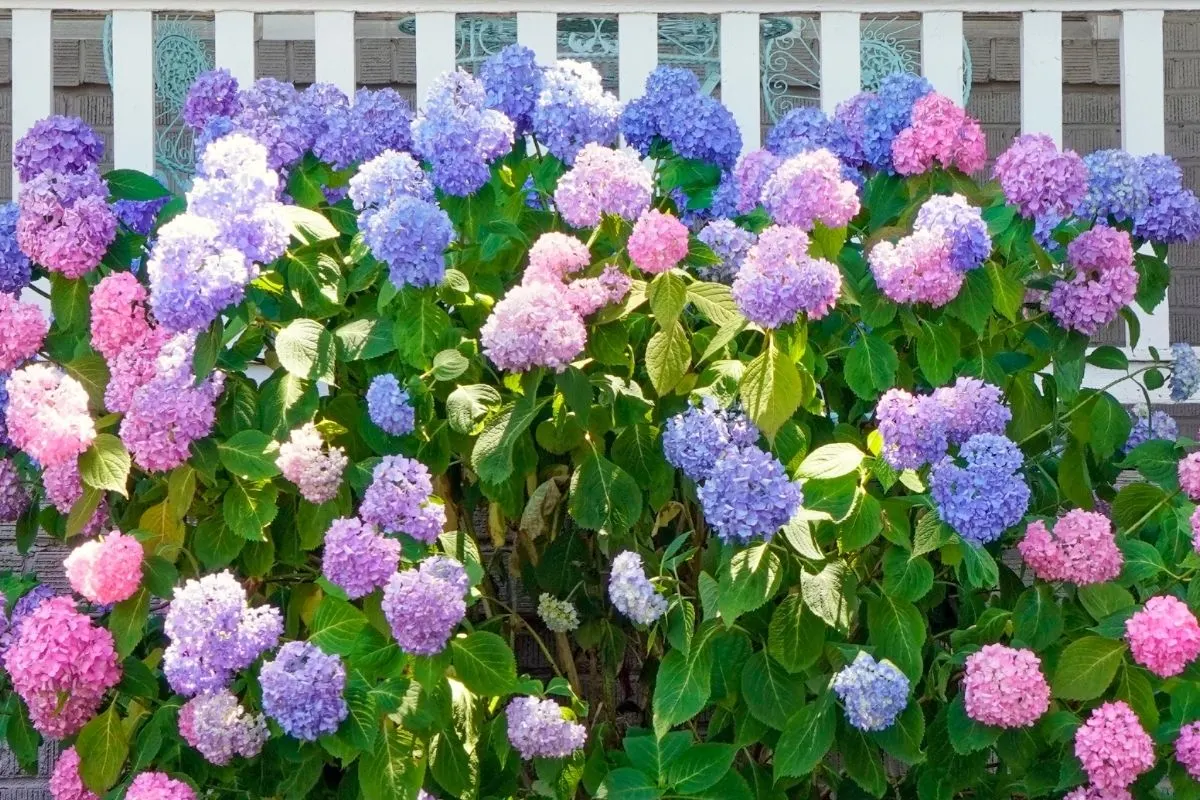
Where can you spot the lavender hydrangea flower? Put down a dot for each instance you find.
(399, 499)
(65, 222)
(357, 558)
(1040, 181)
(631, 591)
(424, 605)
(1147, 425)
(219, 728)
(388, 406)
(314, 469)
(1172, 212)
(513, 81)
(381, 120)
(236, 189)
(193, 274)
(603, 181)
(214, 633)
(695, 440)
(574, 110)
(213, 94)
(1116, 187)
(14, 497)
(888, 112)
(269, 115)
(961, 224)
(748, 495)
(778, 279)
(411, 237)
(971, 407)
(16, 269)
(536, 729)
(872, 692)
(458, 135)
(385, 177)
(730, 243)
(302, 690)
(913, 429)
(1185, 372)
(58, 144)
(981, 494)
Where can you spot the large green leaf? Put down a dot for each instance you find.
(667, 294)
(897, 630)
(966, 735)
(871, 367)
(651, 754)
(805, 741)
(603, 496)
(1037, 617)
(1086, 668)
(937, 351)
(753, 577)
(128, 621)
(771, 389)
(831, 461)
(625, 783)
(795, 636)
(830, 594)
(367, 338)
(771, 692)
(484, 663)
(307, 350)
(103, 746)
(391, 771)
(682, 687)
(668, 356)
(105, 465)
(699, 767)
(336, 626)
(250, 455)
(419, 327)
(492, 456)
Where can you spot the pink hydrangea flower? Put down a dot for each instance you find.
(1164, 636)
(941, 134)
(533, 326)
(1113, 746)
(1082, 549)
(808, 188)
(23, 328)
(1096, 793)
(63, 489)
(659, 241)
(61, 664)
(603, 181)
(1187, 749)
(132, 368)
(305, 461)
(107, 569)
(916, 269)
(1189, 475)
(65, 783)
(48, 414)
(118, 313)
(158, 786)
(588, 295)
(1004, 686)
(1195, 520)
(553, 257)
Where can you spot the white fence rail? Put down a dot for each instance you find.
(333, 29)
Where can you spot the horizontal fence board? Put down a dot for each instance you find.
(613, 6)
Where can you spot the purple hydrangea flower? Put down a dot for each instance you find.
(16, 270)
(886, 113)
(701, 128)
(513, 81)
(913, 429)
(213, 94)
(1116, 187)
(214, 633)
(778, 279)
(695, 440)
(1147, 425)
(236, 189)
(385, 177)
(424, 605)
(411, 237)
(217, 726)
(536, 729)
(850, 121)
(574, 110)
(458, 135)
(388, 406)
(10, 626)
(65, 145)
(603, 181)
(1038, 179)
(961, 224)
(808, 188)
(981, 494)
(14, 496)
(139, 216)
(1172, 213)
(801, 129)
(194, 274)
(748, 495)
(872, 692)
(1185, 372)
(399, 499)
(631, 591)
(971, 407)
(382, 121)
(730, 243)
(357, 558)
(65, 222)
(302, 690)
(269, 114)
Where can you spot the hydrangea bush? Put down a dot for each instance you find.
(790, 473)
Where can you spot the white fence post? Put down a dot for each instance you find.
(741, 80)
(841, 65)
(32, 73)
(335, 49)
(538, 30)
(234, 31)
(1041, 73)
(133, 90)
(941, 52)
(637, 41)
(435, 48)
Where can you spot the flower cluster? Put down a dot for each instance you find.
(1041, 181)
(1082, 549)
(357, 558)
(560, 616)
(808, 188)
(1105, 281)
(424, 605)
(981, 493)
(1147, 425)
(388, 406)
(603, 181)
(107, 569)
(158, 786)
(1185, 372)
(459, 135)
(214, 633)
(65, 145)
(658, 242)
(918, 429)
(573, 110)
(1187, 749)
(674, 110)
(61, 665)
(1163, 636)
(961, 224)
(316, 470)
(917, 269)
(696, 439)
(399, 499)
(14, 497)
(23, 328)
(15, 267)
(65, 222)
(730, 244)
(872, 121)
(536, 729)
(778, 279)
(1116, 187)
(302, 690)
(941, 134)
(217, 726)
(118, 320)
(1189, 475)
(1113, 746)
(47, 415)
(1172, 212)
(1005, 687)
(631, 591)
(29, 602)
(65, 782)
(872, 692)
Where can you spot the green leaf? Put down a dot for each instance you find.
(931, 534)
(897, 629)
(795, 636)
(129, 184)
(1135, 501)
(315, 283)
(250, 455)
(937, 352)
(1108, 357)
(903, 738)
(668, 356)
(699, 767)
(871, 367)
(667, 294)
(973, 305)
(306, 225)
(181, 489)
(904, 577)
(128, 621)
(966, 735)
(831, 461)
(392, 769)
(336, 626)
(484, 663)
(307, 350)
(448, 365)
(771, 389)
(651, 754)
(1073, 476)
(492, 455)
(92, 373)
(103, 746)
(419, 327)
(1142, 560)
(861, 759)
(625, 783)
(363, 339)
(805, 741)
(770, 691)
(982, 572)
(70, 303)
(1102, 600)
(248, 509)
(1110, 425)
(715, 302)
(1086, 668)
(752, 579)
(466, 405)
(23, 740)
(829, 594)
(1008, 292)
(160, 576)
(863, 525)
(1037, 617)
(603, 496)
(105, 465)
(682, 687)
(1157, 460)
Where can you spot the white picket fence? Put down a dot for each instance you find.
(333, 29)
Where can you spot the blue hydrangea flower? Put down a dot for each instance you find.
(139, 215)
(513, 81)
(873, 693)
(1116, 187)
(643, 117)
(700, 127)
(748, 495)
(458, 135)
(1185, 372)
(971, 407)
(631, 591)
(270, 115)
(302, 690)
(730, 243)
(695, 440)
(573, 110)
(888, 112)
(15, 267)
(981, 494)
(804, 128)
(388, 406)
(963, 226)
(410, 236)
(1147, 425)
(382, 121)
(388, 176)
(1172, 212)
